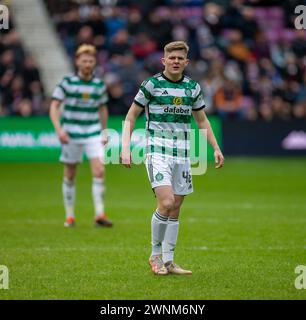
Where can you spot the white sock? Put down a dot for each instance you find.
(97, 195)
(170, 239)
(68, 189)
(158, 229)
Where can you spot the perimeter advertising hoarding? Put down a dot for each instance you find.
(261, 138)
(34, 139)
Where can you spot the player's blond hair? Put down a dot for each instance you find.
(176, 45)
(86, 48)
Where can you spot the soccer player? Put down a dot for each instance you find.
(78, 127)
(170, 99)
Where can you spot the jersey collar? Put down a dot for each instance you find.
(180, 80)
(92, 76)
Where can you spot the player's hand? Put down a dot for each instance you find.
(126, 158)
(63, 136)
(219, 159)
(105, 140)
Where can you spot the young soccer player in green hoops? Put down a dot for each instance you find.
(170, 99)
(78, 127)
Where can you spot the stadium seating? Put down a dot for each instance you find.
(21, 89)
(130, 38)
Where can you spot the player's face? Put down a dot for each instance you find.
(175, 62)
(86, 63)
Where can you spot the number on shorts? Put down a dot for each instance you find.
(187, 176)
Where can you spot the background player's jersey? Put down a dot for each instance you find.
(82, 99)
(169, 107)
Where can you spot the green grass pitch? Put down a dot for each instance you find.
(242, 233)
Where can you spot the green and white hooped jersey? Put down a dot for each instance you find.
(82, 100)
(169, 107)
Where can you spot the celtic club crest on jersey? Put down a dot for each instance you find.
(188, 92)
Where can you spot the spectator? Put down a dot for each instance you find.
(236, 48)
(228, 100)
(23, 108)
(114, 22)
(281, 108)
(299, 44)
(161, 28)
(265, 111)
(227, 39)
(30, 70)
(299, 109)
(143, 46)
(19, 78)
(17, 92)
(120, 43)
(117, 102)
(85, 35)
(261, 47)
(135, 22)
(129, 67)
(210, 87)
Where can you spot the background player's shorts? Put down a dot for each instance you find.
(73, 152)
(166, 172)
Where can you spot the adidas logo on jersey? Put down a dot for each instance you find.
(165, 92)
(176, 110)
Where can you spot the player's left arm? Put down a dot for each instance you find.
(203, 123)
(103, 116)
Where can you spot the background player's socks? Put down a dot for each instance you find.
(158, 229)
(97, 196)
(170, 239)
(68, 189)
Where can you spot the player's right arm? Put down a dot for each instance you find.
(128, 128)
(58, 96)
(55, 115)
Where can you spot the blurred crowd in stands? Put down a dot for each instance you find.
(247, 55)
(21, 90)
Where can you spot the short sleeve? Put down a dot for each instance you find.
(198, 100)
(59, 92)
(104, 97)
(144, 94)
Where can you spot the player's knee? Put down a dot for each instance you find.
(70, 175)
(69, 178)
(174, 213)
(168, 203)
(98, 172)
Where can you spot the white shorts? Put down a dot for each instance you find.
(73, 152)
(167, 172)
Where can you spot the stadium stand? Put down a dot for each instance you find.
(236, 48)
(21, 89)
(41, 39)
(243, 53)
